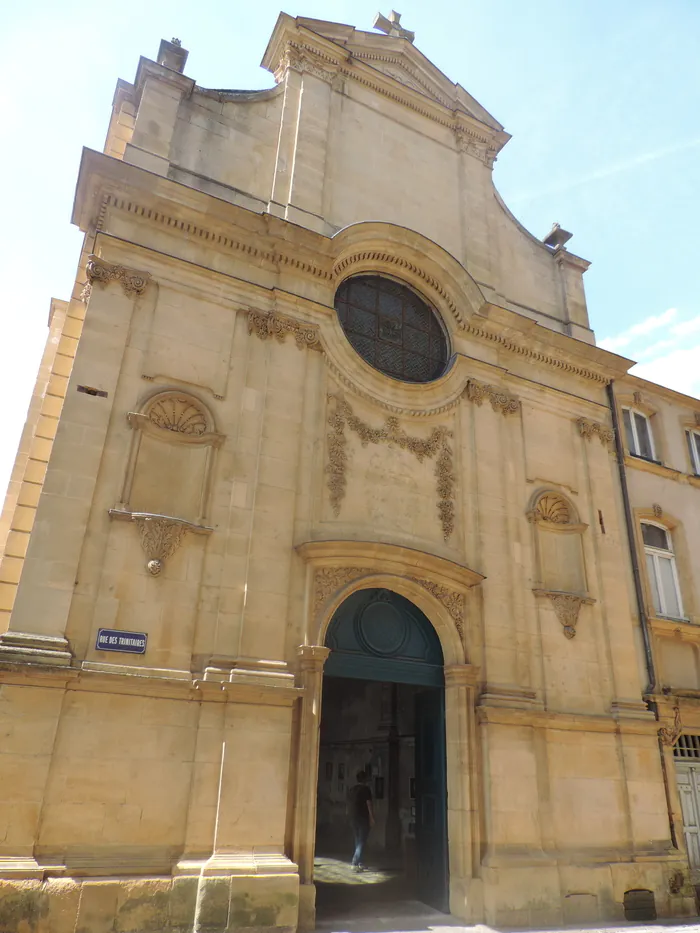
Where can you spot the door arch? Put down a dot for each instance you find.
(380, 641)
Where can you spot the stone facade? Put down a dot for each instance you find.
(209, 462)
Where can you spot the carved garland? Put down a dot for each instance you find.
(500, 401)
(436, 445)
(669, 735)
(102, 272)
(271, 324)
(588, 429)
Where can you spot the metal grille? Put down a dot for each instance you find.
(687, 746)
(392, 328)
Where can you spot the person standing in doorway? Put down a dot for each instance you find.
(361, 817)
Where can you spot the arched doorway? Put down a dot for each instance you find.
(382, 714)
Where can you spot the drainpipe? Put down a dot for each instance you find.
(639, 593)
(629, 522)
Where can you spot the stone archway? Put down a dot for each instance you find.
(441, 590)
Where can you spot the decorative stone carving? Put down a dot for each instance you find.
(329, 580)
(637, 396)
(551, 508)
(160, 538)
(669, 735)
(304, 60)
(696, 415)
(450, 599)
(102, 272)
(657, 510)
(567, 608)
(480, 148)
(435, 445)
(588, 429)
(500, 401)
(178, 413)
(269, 324)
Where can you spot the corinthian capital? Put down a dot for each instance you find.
(101, 272)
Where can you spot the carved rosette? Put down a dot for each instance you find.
(669, 735)
(436, 445)
(567, 608)
(160, 538)
(477, 392)
(101, 272)
(450, 599)
(269, 324)
(589, 429)
(328, 580)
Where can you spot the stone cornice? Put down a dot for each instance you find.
(303, 50)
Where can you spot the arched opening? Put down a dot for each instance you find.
(382, 743)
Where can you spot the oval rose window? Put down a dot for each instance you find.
(392, 328)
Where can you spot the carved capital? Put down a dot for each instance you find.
(501, 401)
(269, 324)
(435, 446)
(589, 429)
(474, 145)
(101, 272)
(669, 735)
(312, 658)
(305, 60)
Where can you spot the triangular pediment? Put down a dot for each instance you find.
(391, 56)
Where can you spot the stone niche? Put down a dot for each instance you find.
(170, 461)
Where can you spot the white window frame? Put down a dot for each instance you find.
(694, 448)
(635, 447)
(656, 555)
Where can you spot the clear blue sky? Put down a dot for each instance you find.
(602, 98)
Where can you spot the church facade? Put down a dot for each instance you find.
(320, 412)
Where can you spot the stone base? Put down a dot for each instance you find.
(36, 649)
(184, 904)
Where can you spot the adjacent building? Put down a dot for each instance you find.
(325, 473)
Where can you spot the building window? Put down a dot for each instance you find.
(694, 447)
(392, 328)
(661, 570)
(640, 441)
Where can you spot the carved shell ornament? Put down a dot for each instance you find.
(179, 414)
(552, 508)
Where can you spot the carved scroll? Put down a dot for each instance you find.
(589, 429)
(477, 392)
(436, 445)
(328, 580)
(101, 272)
(450, 599)
(269, 324)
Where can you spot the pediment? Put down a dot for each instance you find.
(393, 57)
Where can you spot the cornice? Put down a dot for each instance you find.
(480, 330)
(327, 61)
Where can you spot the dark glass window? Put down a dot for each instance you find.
(392, 328)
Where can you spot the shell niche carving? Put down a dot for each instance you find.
(553, 508)
(178, 413)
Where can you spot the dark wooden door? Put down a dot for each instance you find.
(431, 799)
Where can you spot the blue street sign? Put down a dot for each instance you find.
(109, 639)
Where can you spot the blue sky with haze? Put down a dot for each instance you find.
(602, 99)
